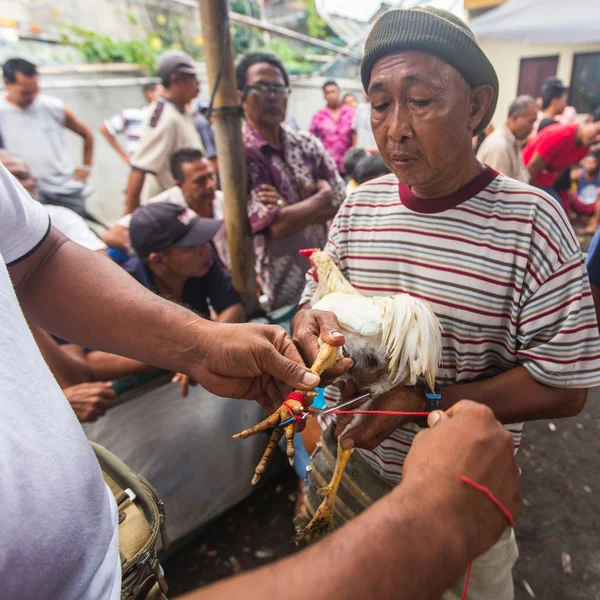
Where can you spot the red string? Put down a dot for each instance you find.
(490, 497)
(291, 410)
(299, 396)
(378, 412)
(464, 596)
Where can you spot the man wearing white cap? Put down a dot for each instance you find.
(168, 127)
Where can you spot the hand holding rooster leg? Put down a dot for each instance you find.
(326, 358)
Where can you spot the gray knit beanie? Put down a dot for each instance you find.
(435, 31)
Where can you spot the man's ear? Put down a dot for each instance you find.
(155, 259)
(480, 99)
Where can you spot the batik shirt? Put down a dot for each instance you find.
(294, 170)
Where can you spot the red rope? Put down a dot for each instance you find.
(378, 412)
(464, 596)
(299, 396)
(490, 497)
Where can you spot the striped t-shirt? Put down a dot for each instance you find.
(129, 123)
(500, 266)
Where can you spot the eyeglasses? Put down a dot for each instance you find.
(262, 89)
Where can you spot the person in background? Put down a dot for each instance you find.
(64, 219)
(129, 124)
(293, 184)
(480, 137)
(168, 127)
(362, 134)
(555, 149)
(587, 179)
(501, 150)
(350, 100)
(351, 159)
(370, 167)
(554, 96)
(206, 133)
(332, 124)
(32, 125)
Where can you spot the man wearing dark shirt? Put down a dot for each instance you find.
(176, 260)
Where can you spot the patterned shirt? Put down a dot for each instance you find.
(336, 135)
(129, 123)
(500, 266)
(294, 170)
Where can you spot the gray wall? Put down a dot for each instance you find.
(94, 98)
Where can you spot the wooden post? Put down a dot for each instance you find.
(230, 149)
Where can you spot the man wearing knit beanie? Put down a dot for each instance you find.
(495, 258)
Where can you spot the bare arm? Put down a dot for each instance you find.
(596, 297)
(104, 366)
(77, 126)
(117, 237)
(114, 143)
(536, 164)
(233, 314)
(316, 209)
(134, 189)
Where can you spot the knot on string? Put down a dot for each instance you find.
(299, 396)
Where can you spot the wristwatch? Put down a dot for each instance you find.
(433, 401)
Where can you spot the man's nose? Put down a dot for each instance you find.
(400, 125)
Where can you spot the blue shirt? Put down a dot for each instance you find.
(593, 260)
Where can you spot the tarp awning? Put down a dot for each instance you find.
(541, 22)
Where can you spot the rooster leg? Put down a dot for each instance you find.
(322, 522)
(266, 457)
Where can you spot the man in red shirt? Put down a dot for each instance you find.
(556, 148)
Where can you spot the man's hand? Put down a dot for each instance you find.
(251, 361)
(81, 174)
(468, 440)
(267, 194)
(373, 429)
(90, 400)
(307, 326)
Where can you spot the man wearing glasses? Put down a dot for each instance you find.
(293, 183)
(169, 126)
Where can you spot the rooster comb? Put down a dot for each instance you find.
(308, 252)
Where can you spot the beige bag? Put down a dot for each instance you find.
(141, 520)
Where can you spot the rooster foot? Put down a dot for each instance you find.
(322, 521)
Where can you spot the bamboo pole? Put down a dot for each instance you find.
(230, 149)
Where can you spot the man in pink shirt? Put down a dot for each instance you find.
(333, 124)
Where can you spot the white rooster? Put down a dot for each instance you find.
(394, 339)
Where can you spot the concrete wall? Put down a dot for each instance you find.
(506, 58)
(94, 98)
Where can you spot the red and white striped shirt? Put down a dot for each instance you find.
(500, 266)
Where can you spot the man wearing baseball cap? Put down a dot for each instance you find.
(176, 260)
(168, 127)
(495, 258)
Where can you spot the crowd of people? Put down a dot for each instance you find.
(410, 191)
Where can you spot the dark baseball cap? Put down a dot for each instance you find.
(160, 225)
(175, 61)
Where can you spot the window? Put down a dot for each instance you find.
(585, 82)
(533, 72)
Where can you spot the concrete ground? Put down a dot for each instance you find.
(558, 530)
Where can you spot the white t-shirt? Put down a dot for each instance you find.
(69, 223)
(58, 520)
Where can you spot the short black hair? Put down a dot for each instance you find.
(254, 58)
(149, 87)
(352, 158)
(185, 155)
(18, 65)
(370, 167)
(330, 82)
(552, 88)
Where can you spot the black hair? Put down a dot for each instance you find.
(185, 155)
(352, 158)
(330, 82)
(18, 65)
(348, 95)
(149, 87)
(370, 167)
(254, 58)
(552, 88)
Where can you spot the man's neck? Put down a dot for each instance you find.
(270, 134)
(452, 183)
(11, 101)
(168, 95)
(549, 113)
(169, 285)
(335, 109)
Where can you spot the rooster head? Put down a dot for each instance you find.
(308, 253)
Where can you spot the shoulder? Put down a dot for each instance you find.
(160, 115)
(132, 114)
(495, 140)
(50, 102)
(306, 141)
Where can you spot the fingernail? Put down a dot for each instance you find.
(337, 334)
(310, 378)
(434, 417)
(346, 443)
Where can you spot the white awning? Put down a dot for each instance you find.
(541, 22)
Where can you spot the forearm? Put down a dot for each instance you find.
(114, 143)
(88, 149)
(317, 209)
(419, 548)
(516, 396)
(108, 309)
(233, 314)
(104, 366)
(134, 190)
